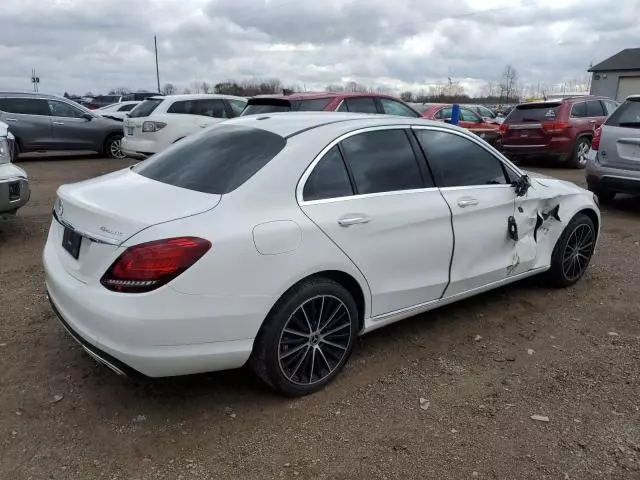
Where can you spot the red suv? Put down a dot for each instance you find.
(561, 129)
(329, 102)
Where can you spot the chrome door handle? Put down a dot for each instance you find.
(467, 202)
(349, 220)
(58, 123)
(11, 119)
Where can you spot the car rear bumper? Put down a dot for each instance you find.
(616, 180)
(140, 147)
(156, 335)
(14, 191)
(558, 147)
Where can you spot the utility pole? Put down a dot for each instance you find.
(155, 43)
(34, 79)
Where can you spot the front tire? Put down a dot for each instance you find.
(572, 252)
(307, 337)
(579, 157)
(113, 147)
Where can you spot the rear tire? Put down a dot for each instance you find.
(580, 150)
(572, 252)
(113, 147)
(307, 337)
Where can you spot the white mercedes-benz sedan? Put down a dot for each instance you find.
(278, 239)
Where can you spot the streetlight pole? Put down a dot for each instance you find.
(155, 43)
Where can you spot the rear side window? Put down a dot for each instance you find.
(204, 107)
(579, 110)
(627, 115)
(216, 161)
(534, 113)
(458, 162)
(315, 105)
(391, 107)
(146, 108)
(382, 161)
(62, 109)
(25, 106)
(361, 105)
(467, 115)
(329, 178)
(594, 109)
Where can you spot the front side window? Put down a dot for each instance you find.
(457, 161)
(329, 178)
(391, 107)
(579, 110)
(25, 106)
(61, 109)
(361, 105)
(444, 113)
(216, 161)
(467, 115)
(382, 161)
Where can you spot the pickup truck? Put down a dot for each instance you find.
(14, 184)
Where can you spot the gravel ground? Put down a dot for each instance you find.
(483, 368)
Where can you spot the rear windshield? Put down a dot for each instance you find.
(534, 113)
(145, 108)
(257, 106)
(216, 161)
(627, 115)
(274, 105)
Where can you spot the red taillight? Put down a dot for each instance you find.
(504, 128)
(555, 127)
(595, 143)
(147, 266)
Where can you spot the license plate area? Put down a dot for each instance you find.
(71, 242)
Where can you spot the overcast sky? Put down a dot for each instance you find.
(95, 45)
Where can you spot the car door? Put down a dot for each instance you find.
(374, 198)
(29, 121)
(71, 129)
(476, 187)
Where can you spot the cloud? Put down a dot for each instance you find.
(95, 45)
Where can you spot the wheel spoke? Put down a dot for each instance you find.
(313, 361)
(338, 308)
(291, 352)
(336, 329)
(295, 332)
(306, 318)
(295, 370)
(325, 359)
(332, 344)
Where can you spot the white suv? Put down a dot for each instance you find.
(160, 121)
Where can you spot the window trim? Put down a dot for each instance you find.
(504, 162)
(307, 172)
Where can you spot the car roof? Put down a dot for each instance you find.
(287, 124)
(318, 95)
(29, 95)
(195, 96)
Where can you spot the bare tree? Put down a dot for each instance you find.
(169, 89)
(406, 96)
(334, 88)
(508, 86)
(119, 91)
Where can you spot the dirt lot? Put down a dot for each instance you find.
(485, 365)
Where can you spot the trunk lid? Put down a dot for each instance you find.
(529, 124)
(108, 210)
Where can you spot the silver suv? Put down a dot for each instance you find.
(14, 185)
(613, 163)
(46, 122)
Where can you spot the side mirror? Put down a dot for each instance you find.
(87, 116)
(521, 185)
